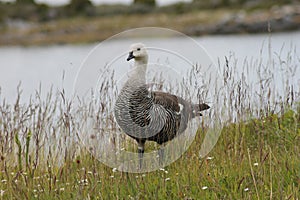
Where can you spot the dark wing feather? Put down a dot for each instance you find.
(168, 101)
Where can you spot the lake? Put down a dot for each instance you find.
(58, 65)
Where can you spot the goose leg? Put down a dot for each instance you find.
(161, 155)
(141, 146)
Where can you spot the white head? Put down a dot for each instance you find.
(138, 53)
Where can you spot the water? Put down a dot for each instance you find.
(57, 66)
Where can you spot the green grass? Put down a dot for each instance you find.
(258, 159)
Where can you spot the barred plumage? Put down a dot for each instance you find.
(147, 115)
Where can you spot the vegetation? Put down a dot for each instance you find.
(42, 12)
(256, 158)
(234, 3)
(145, 2)
(25, 2)
(79, 6)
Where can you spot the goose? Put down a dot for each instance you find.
(146, 115)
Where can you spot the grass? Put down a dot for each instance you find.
(257, 158)
(254, 160)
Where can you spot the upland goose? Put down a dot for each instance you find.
(147, 115)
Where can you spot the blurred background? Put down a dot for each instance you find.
(43, 42)
(35, 22)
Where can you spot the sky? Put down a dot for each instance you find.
(97, 2)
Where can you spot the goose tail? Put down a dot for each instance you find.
(197, 108)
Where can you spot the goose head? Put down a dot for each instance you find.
(138, 53)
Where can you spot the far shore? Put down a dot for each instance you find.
(205, 22)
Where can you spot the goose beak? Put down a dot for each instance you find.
(130, 56)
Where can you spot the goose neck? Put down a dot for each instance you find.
(140, 68)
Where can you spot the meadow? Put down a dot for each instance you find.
(257, 157)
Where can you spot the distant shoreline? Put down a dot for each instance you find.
(197, 23)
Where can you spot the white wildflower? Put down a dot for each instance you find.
(167, 179)
(246, 189)
(255, 164)
(114, 170)
(204, 187)
(83, 181)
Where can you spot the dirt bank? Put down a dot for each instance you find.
(196, 23)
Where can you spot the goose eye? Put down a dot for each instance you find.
(138, 49)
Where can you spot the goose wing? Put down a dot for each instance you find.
(167, 101)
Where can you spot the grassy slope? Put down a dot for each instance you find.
(258, 159)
